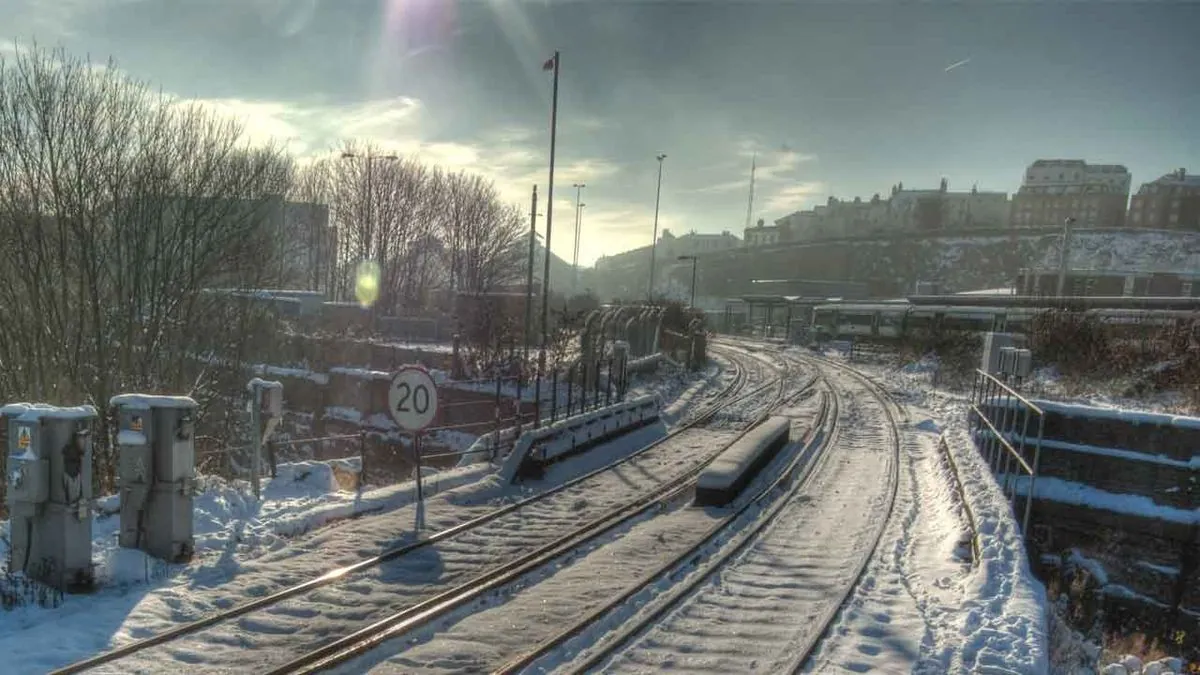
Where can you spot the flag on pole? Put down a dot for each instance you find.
(549, 64)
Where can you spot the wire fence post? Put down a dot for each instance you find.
(272, 459)
(570, 387)
(608, 384)
(596, 388)
(517, 414)
(554, 394)
(362, 459)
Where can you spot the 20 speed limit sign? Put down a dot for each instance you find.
(412, 398)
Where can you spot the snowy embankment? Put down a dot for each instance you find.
(227, 519)
(923, 606)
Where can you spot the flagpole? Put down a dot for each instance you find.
(541, 369)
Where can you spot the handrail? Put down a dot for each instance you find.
(1000, 437)
(989, 393)
(1012, 392)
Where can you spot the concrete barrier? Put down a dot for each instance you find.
(722, 480)
(539, 448)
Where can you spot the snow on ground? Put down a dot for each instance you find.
(920, 607)
(770, 597)
(1049, 383)
(247, 548)
(544, 602)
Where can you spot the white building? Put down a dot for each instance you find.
(1052, 190)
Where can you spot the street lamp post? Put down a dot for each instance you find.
(692, 304)
(654, 239)
(579, 230)
(578, 222)
(555, 65)
(529, 277)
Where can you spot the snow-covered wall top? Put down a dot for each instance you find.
(259, 383)
(32, 412)
(1130, 416)
(148, 401)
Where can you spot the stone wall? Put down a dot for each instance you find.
(892, 265)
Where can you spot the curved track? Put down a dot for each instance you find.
(524, 529)
(704, 444)
(763, 604)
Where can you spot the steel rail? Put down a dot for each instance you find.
(410, 618)
(728, 396)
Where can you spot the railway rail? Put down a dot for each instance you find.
(760, 505)
(754, 563)
(409, 619)
(557, 534)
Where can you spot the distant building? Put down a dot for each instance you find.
(1053, 190)
(693, 243)
(1169, 203)
(902, 211)
(941, 210)
(309, 246)
(762, 235)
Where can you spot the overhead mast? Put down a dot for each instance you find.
(750, 203)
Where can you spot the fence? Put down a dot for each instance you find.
(579, 388)
(998, 417)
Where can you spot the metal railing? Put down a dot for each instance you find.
(998, 418)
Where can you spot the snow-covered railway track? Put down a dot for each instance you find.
(763, 604)
(705, 443)
(310, 615)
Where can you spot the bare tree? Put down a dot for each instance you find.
(118, 209)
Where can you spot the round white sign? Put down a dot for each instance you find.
(412, 399)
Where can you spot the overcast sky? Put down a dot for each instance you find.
(839, 99)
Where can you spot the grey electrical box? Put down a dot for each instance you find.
(992, 344)
(49, 474)
(1024, 366)
(156, 461)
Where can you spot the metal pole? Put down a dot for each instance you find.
(578, 223)
(529, 278)
(654, 239)
(549, 227)
(362, 460)
(420, 490)
(1064, 256)
(693, 303)
(554, 401)
(255, 440)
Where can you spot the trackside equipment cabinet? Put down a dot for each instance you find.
(49, 474)
(156, 473)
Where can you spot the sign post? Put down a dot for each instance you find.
(413, 404)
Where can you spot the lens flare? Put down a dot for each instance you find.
(366, 285)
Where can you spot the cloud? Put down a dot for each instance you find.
(795, 197)
(310, 130)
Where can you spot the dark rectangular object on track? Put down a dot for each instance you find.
(722, 480)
